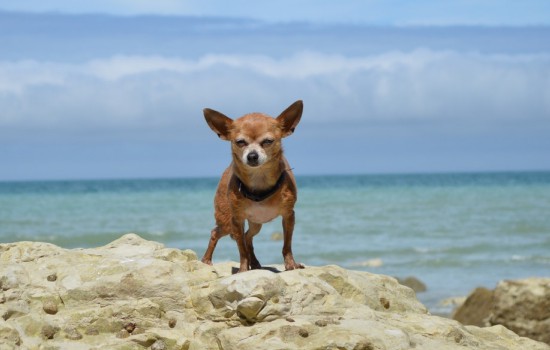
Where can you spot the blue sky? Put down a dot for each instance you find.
(115, 89)
(388, 12)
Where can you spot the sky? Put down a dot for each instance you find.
(388, 12)
(115, 89)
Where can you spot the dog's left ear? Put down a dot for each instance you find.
(290, 117)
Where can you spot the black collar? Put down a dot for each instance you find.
(260, 196)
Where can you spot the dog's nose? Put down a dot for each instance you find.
(252, 157)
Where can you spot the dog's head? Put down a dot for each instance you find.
(255, 138)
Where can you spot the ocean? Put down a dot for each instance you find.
(454, 232)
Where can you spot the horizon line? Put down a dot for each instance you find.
(205, 177)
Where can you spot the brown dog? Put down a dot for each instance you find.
(258, 186)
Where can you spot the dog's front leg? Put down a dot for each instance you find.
(288, 229)
(238, 234)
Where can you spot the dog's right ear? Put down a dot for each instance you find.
(218, 122)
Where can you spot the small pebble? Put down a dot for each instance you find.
(321, 323)
(385, 303)
(52, 277)
(48, 331)
(172, 323)
(129, 327)
(303, 333)
(290, 319)
(72, 334)
(50, 307)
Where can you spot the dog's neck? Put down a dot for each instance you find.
(259, 196)
(262, 178)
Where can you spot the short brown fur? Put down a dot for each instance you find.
(258, 165)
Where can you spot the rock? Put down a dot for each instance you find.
(72, 333)
(48, 331)
(452, 302)
(135, 294)
(476, 308)
(129, 327)
(172, 323)
(522, 306)
(158, 345)
(376, 262)
(277, 236)
(49, 307)
(414, 283)
(250, 307)
(9, 336)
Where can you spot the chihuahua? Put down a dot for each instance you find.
(258, 185)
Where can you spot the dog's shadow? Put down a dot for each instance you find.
(235, 270)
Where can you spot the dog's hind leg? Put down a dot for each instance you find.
(215, 235)
(252, 231)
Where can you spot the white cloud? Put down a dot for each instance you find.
(16, 77)
(156, 91)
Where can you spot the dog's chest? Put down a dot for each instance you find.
(261, 213)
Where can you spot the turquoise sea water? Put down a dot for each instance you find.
(452, 231)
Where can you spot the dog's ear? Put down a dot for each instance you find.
(218, 122)
(290, 117)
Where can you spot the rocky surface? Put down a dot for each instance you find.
(136, 294)
(476, 308)
(520, 305)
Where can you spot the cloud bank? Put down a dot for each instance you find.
(145, 92)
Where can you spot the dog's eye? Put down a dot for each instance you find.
(267, 142)
(240, 142)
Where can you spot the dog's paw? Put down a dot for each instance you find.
(293, 266)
